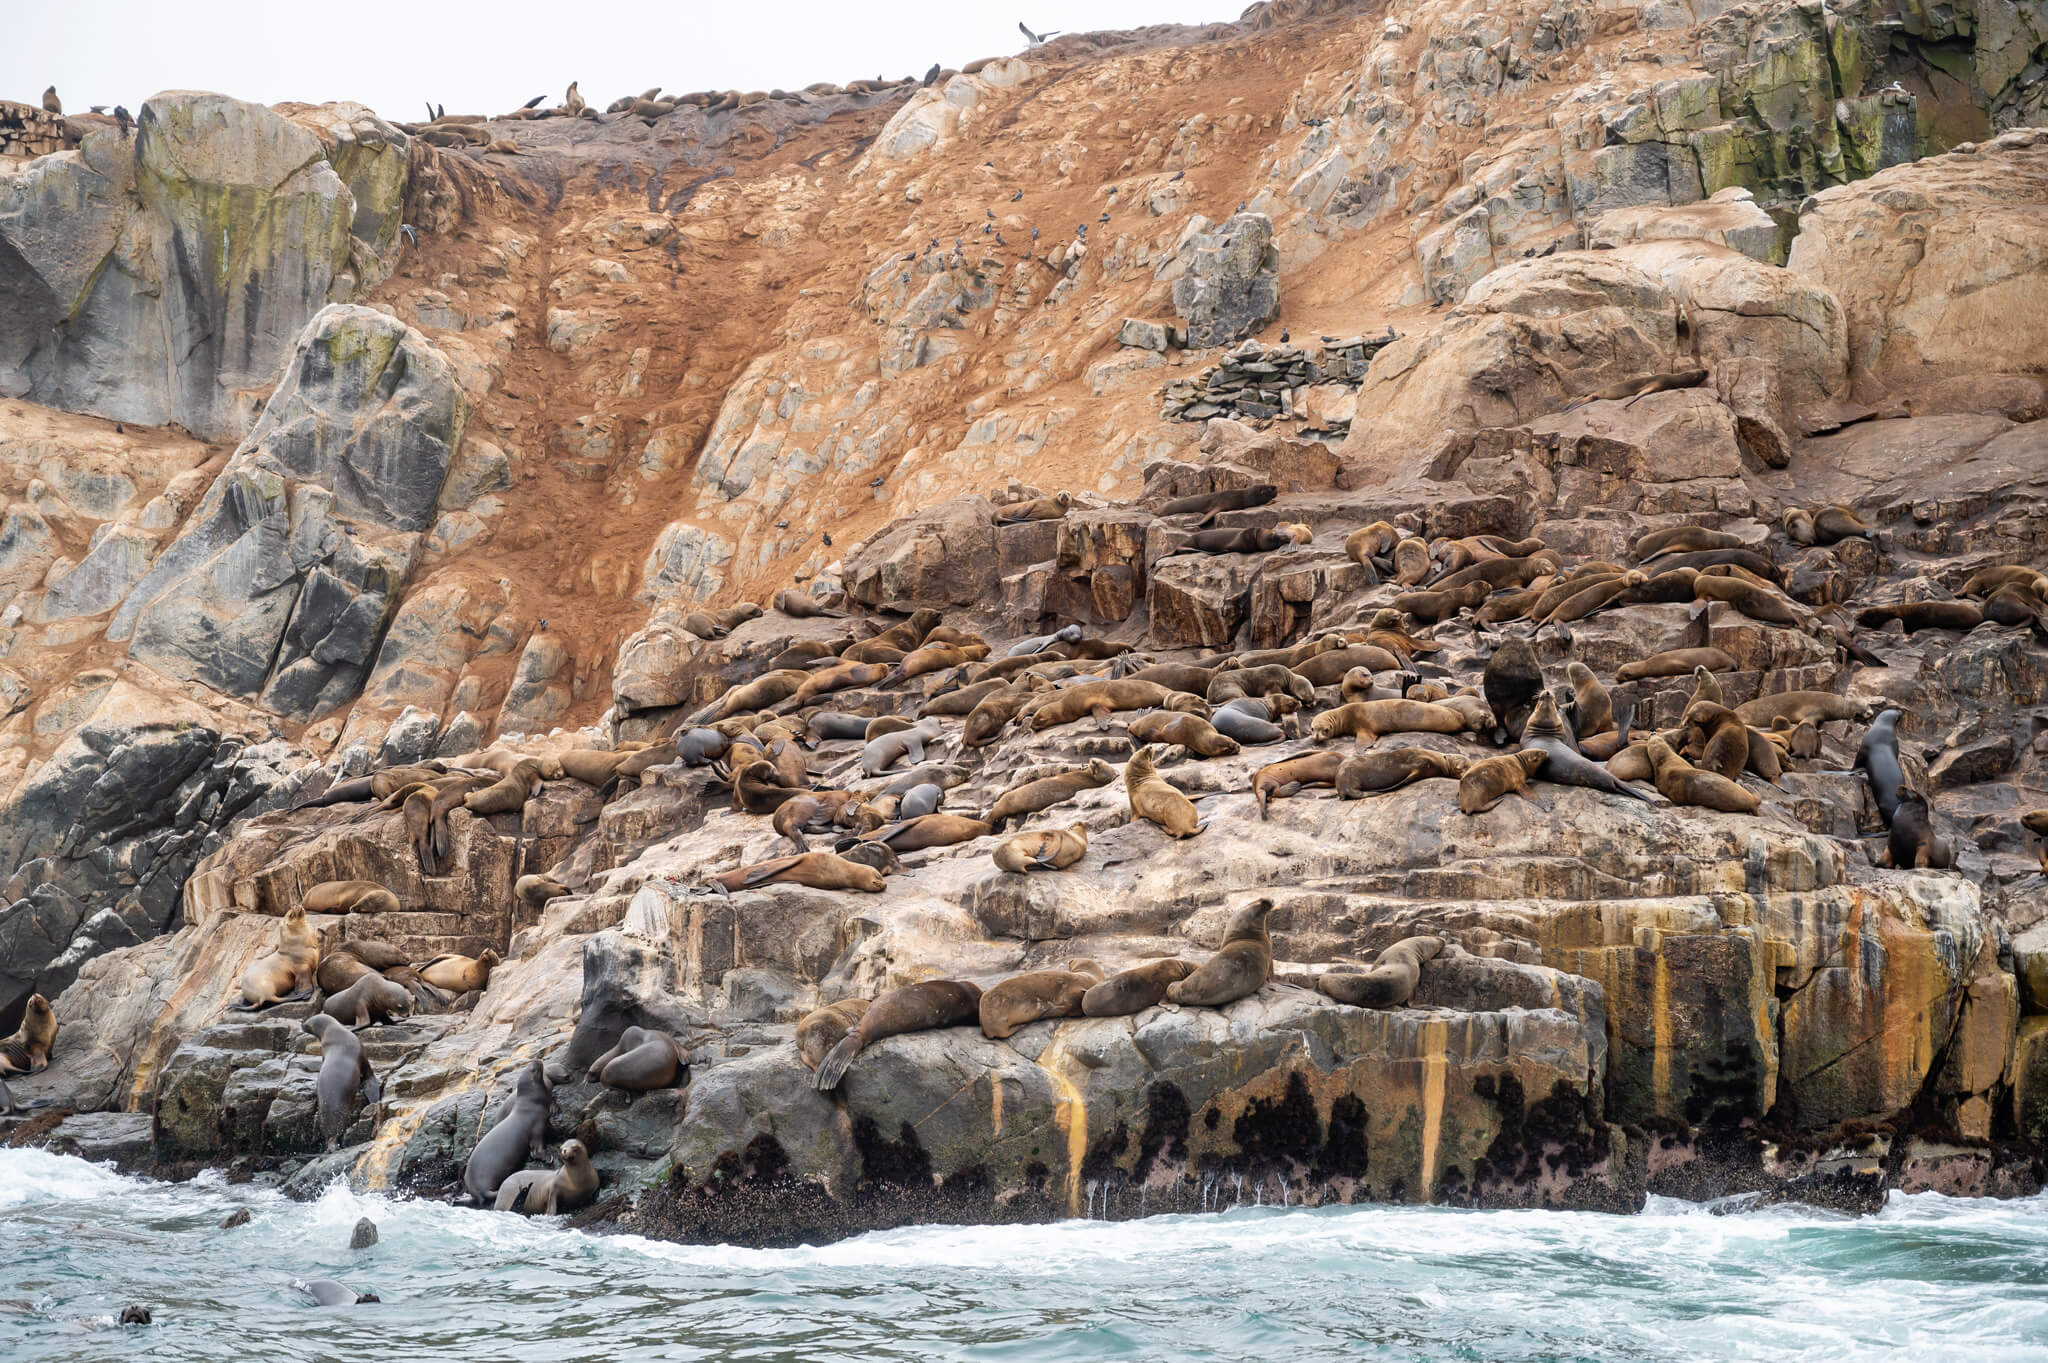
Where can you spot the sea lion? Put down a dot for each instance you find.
(931, 830)
(349, 896)
(1285, 777)
(1628, 390)
(758, 787)
(641, 1060)
(1246, 721)
(913, 1008)
(1246, 540)
(1327, 669)
(1046, 849)
(1682, 784)
(919, 801)
(538, 1192)
(1103, 698)
(807, 653)
(372, 998)
(1596, 595)
(819, 870)
(882, 753)
(2035, 821)
(1512, 681)
(1135, 990)
(327, 1292)
(804, 606)
(1240, 967)
(1021, 1000)
(1913, 843)
(1684, 539)
(945, 775)
(288, 972)
(521, 1134)
(700, 747)
(1720, 736)
(1595, 708)
(1231, 499)
(765, 690)
(28, 1050)
(344, 1071)
(1706, 686)
(1566, 766)
(1370, 720)
(1188, 677)
(1753, 601)
(1799, 738)
(1985, 581)
(1259, 683)
(1500, 573)
(1675, 663)
(901, 637)
(1050, 508)
(1835, 523)
(459, 974)
(819, 1030)
(1434, 607)
(1393, 976)
(1877, 757)
(881, 725)
(1039, 643)
(1489, 781)
(1381, 769)
(1192, 732)
(1412, 562)
(841, 676)
(962, 700)
(339, 969)
(509, 794)
(1702, 559)
(1047, 791)
(1800, 707)
(534, 891)
(1369, 542)
(1152, 798)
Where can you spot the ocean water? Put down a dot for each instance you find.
(1930, 1278)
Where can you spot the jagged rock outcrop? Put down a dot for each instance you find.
(1232, 284)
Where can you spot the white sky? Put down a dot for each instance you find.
(493, 55)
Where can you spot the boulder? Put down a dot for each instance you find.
(1232, 284)
(942, 556)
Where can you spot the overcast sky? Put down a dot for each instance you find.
(489, 57)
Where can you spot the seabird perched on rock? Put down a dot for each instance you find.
(52, 104)
(1018, 195)
(1037, 39)
(122, 119)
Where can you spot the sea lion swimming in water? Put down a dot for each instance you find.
(28, 1050)
(287, 973)
(1240, 967)
(520, 1135)
(537, 1192)
(913, 1008)
(343, 1073)
(328, 1292)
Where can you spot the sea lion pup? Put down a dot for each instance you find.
(1155, 800)
(819, 870)
(1192, 732)
(1103, 698)
(1919, 615)
(641, 1060)
(1135, 990)
(459, 974)
(538, 1192)
(1037, 509)
(1047, 791)
(819, 810)
(349, 896)
(931, 830)
(913, 1008)
(1913, 843)
(28, 1050)
(1281, 779)
(1412, 562)
(521, 1134)
(1328, 668)
(1684, 539)
(1720, 736)
(1021, 1000)
(884, 752)
(1370, 720)
(1382, 769)
(344, 1071)
(1545, 733)
(1512, 681)
(1392, 979)
(804, 606)
(1240, 967)
(286, 973)
(1799, 706)
(1046, 849)
(371, 998)
(1594, 707)
(1231, 499)
(819, 1030)
(1489, 781)
(1675, 662)
(1682, 784)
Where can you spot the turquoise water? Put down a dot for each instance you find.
(1931, 1278)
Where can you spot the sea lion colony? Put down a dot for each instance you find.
(855, 743)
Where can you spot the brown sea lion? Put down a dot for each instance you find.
(819, 870)
(1135, 990)
(339, 969)
(928, 830)
(642, 1060)
(1685, 539)
(1832, 524)
(459, 974)
(804, 606)
(928, 658)
(1037, 509)
(534, 891)
(538, 1192)
(2035, 821)
(1511, 682)
(1628, 390)
(344, 1072)
(1756, 602)
(1192, 732)
(1186, 677)
(962, 700)
(288, 972)
(1265, 680)
(1800, 707)
(1328, 669)
(1045, 849)
(1153, 799)
(1231, 499)
(371, 998)
(1434, 607)
(1369, 542)
(913, 1008)
(758, 788)
(1499, 573)
(1240, 967)
(1799, 738)
(1912, 842)
(1021, 1000)
(1369, 720)
(902, 637)
(1283, 778)
(349, 896)
(1412, 562)
(1679, 782)
(28, 1050)
(1489, 781)
(1707, 687)
(1985, 581)
(1393, 976)
(819, 1030)
(819, 810)
(1595, 709)
(1101, 699)
(1357, 684)
(1382, 769)
(1047, 791)
(1719, 736)
(509, 794)
(1675, 662)
(840, 676)
(1919, 615)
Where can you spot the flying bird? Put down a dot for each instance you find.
(1037, 39)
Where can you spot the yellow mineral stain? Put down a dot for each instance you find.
(995, 1106)
(1070, 1115)
(1660, 1021)
(1435, 1038)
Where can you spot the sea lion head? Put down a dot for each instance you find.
(321, 1026)
(1100, 772)
(879, 856)
(489, 958)
(532, 1082)
(1544, 720)
(1249, 922)
(574, 1152)
(38, 1015)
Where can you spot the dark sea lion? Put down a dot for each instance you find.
(932, 830)
(1382, 769)
(1832, 524)
(1153, 799)
(921, 800)
(1246, 540)
(1512, 681)
(1392, 979)
(1919, 615)
(1703, 559)
(372, 998)
(819, 1030)
(1985, 581)
(1877, 757)
(1283, 778)
(1048, 791)
(28, 1050)
(819, 870)
(339, 969)
(1370, 720)
(641, 1060)
(1246, 720)
(350, 896)
(1720, 737)
(288, 972)
(946, 775)
(1191, 732)
(521, 1134)
(806, 653)
(1135, 990)
(343, 1073)
(1489, 781)
(1231, 499)
(538, 1192)
(1565, 766)
(804, 606)
(913, 1008)
(1240, 967)
(1046, 849)
(459, 974)
(1913, 841)
(1595, 708)
(2035, 821)
(1683, 784)
(1675, 662)
(1024, 999)
(1684, 539)
(879, 856)
(364, 1235)
(882, 753)
(1263, 682)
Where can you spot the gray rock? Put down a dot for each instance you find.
(1142, 334)
(1232, 287)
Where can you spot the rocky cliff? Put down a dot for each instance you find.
(329, 444)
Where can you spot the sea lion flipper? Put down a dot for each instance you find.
(833, 1067)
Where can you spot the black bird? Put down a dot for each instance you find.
(1103, 218)
(1034, 234)
(828, 539)
(957, 245)
(912, 256)
(990, 211)
(934, 246)
(782, 525)
(1241, 203)
(122, 119)
(987, 228)
(1018, 195)
(932, 74)
(1178, 175)
(543, 625)
(1283, 336)
(876, 482)
(1000, 241)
